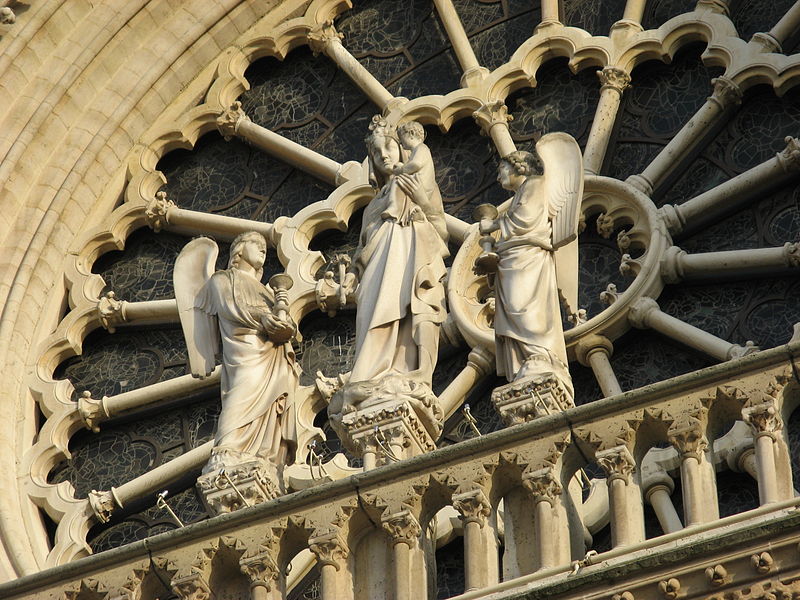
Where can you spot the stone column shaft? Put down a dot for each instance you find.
(329, 588)
(290, 152)
(369, 459)
(726, 95)
(163, 390)
(678, 266)
(646, 313)
(543, 526)
(604, 373)
(331, 553)
(765, 468)
(402, 571)
(634, 9)
(668, 518)
(788, 24)
(732, 195)
(550, 12)
(625, 507)
(479, 364)
(692, 490)
(475, 511)
(614, 82)
(461, 46)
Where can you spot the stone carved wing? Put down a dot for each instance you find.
(193, 268)
(563, 180)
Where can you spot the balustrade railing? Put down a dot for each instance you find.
(520, 495)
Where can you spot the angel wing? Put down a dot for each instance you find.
(193, 268)
(563, 181)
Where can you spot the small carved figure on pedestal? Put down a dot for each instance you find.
(536, 268)
(256, 431)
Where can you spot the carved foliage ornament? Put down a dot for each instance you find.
(473, 506)
(402, 527)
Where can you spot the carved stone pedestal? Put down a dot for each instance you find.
(394, 418)
(524, 400)
(234, 487)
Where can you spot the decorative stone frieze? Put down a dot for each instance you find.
(246, 484)
(543, 485)
(717, 575)
(617, 462)
(762, 562)
(402, 527)
(669, 588)
(157, 211)
(473, 505)
(525, 400)
(329, 548)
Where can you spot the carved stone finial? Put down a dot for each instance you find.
(727, 92)
(762, 562)
(93, 411)
(229, 120)
(717, 575)
(7, 16)
(605, 225)
(111, 311)
(102, 504)
(687, 435)
(640, 312)
(402, 527)
(491, 114)
(669, 588)
(789, 157)
(617, 462)
(157, 211)
(610, 295)
(261, 569)
(791, 254)
(543, 485)
(629, 266)
(623, 240)
(473, 505)
(329, 548)
(321, 36)
(615, 79)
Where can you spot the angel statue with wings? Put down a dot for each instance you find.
(259, 375)
(537, 252)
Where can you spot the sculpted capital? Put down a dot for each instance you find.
(687, 435)
(617, 462)
(111, 311)
(641, 311)
(261, 569)
(543, 485)
(102, 504)
(329, 548)
(321, 36)
(491, 114)
(789, 157)
(473, 506)
(615, 79)
(763, 419)
(727, 92)
(93, 411)
(402, 527)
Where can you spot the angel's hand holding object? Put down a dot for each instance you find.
(278, 330)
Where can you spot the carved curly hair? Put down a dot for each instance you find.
(523, 163)
(412, 127)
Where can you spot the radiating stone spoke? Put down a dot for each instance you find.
(94, 411)
(324, 39)
(678, 266)
(646, 314)
(162, 213)
(692, 136)
(473, 72)
(595, 352)
(114, 312)
(734, 194)
(105, 503)
(234, 122)
(782, 31)
(614, 82)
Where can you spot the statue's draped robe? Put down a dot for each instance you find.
(401, 261)
(258, 376)
(527, 318)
